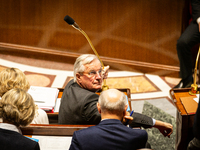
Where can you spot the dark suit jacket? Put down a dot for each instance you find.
(109, 134)
(195, 9)
(78, 106)
(11, 140)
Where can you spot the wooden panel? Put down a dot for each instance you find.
(131, 30)
(115, 63)
(56, 130)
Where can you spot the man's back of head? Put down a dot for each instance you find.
(110, 133)
(112, 104)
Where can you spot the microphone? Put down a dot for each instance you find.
(71, 22)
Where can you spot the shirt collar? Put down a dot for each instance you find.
(11, 127)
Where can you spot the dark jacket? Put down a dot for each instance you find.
(11, 140)
(109, 134)
(78, 106)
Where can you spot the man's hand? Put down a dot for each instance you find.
(127, 116)
(105, 72)
(165, 128)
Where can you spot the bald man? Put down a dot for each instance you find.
(110, 133)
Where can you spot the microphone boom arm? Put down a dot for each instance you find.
(71, 22)
(104, 87)
(194, 86)
(91, 46)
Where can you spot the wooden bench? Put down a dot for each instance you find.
(55, 130)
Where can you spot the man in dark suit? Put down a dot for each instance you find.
(195, 143)
(189, 38)
(78, 102)
(110, 133)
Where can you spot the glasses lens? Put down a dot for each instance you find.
(94, 73)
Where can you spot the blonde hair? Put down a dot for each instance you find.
(17, 107)
(12, 78)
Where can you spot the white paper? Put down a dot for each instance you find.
(197, 99)
(53, 142)
(57, 105)
(44, 97)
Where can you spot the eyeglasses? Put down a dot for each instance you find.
(94, 73)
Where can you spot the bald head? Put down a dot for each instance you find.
(112, 95)
(112, 101)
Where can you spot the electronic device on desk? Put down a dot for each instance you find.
(44, 97)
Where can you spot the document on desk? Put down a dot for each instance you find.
(44, 97)
(57, 105)
(53, 142)
(197, 98)
(189, 104)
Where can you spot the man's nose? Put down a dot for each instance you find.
(98, 75)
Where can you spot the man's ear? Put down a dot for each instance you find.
(78, 76)
(99, 108)
(124, 112)
(126, 107)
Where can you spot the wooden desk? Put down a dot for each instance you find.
(184, 120)
(52, 130)
(53, 117)
(52, 137)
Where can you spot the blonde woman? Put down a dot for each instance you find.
(14, 78)
(17, 109)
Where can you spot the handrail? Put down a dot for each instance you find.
(55, 130)
(75, 55)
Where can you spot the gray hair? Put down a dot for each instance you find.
(81, 61)
(109, 106)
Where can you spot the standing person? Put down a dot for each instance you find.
(17, 109)
(189, 38)
(78, 102)
(14, 78)
(110, 133)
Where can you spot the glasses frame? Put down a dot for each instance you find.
(93, 73)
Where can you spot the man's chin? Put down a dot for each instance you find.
(97, 87)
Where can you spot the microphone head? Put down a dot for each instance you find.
(69, 20)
